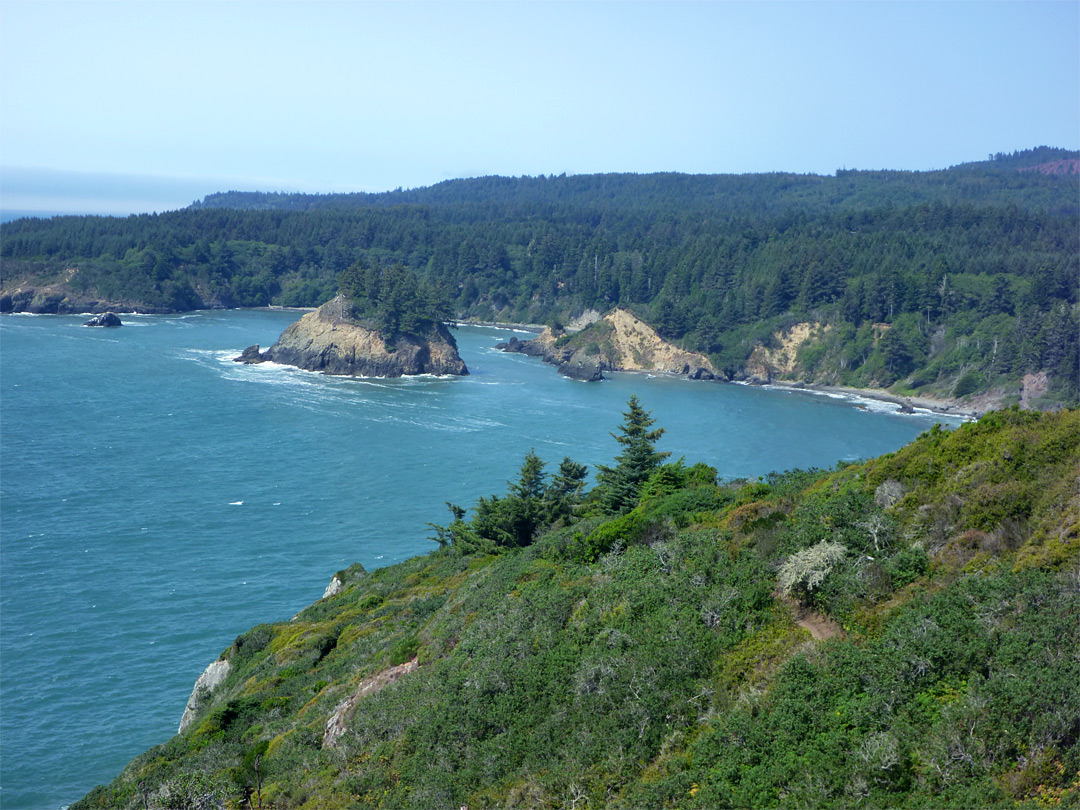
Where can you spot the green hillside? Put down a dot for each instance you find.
(946, 283)
(895, 633)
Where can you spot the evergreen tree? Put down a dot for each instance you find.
(510, 521)
(619, 487)
(565, 489)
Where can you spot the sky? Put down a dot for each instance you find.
(121, 107)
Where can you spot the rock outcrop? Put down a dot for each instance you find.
(335, 587)
(780, 361)
(617, 342)
(571, 363)
(323, 341)
(338, 722)
(50, 300)
(211, 677)
(108, 319)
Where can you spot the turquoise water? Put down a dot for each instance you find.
(159, 499)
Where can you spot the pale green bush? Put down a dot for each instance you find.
(808, 568)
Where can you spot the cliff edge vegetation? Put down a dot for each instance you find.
(895, 633)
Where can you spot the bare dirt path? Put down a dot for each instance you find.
(820, 627)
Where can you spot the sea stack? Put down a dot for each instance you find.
(325, 341)
(104, 319)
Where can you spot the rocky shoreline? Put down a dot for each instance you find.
(51, 300)
(904, 404)
(577, 368)
(616, 342)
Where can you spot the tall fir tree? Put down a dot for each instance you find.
(619, 487)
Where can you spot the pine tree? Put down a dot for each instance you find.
(565, 490)
(620, 486)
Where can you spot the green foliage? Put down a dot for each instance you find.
(641, 660)
(619, 487)
(513, 521)
(404, 650)
(908, 565)
(968, 384)
(393, 299)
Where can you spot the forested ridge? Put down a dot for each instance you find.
(894, 633)
(946, 282)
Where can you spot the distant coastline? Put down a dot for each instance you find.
(943, 407)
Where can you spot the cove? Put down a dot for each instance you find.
(158, 499)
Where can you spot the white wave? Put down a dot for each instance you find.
(867, 403)
(236, 503)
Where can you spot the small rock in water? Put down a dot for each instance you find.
(250, 355)
(104, 319)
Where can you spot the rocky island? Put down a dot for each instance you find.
(330, 340)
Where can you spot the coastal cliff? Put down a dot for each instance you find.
(621, 654)
(814, 355)
(324, 341)
(58, 299)
(617, 342)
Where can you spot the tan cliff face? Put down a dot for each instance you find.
(617, 342)
(781, 361)
(323, 341)
(639, 348)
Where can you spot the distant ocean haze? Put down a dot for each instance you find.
(159, 499)
(50, 192)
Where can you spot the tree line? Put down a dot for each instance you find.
(973, 268)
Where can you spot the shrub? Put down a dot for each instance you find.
(807, 569)
(968, 384)
(907, 566)
(404, 650)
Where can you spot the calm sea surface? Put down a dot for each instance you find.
(159, 499)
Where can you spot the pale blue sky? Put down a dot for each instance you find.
(326, 96)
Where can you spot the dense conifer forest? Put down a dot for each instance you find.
(945, 282)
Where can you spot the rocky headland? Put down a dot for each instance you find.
(325, 341)
(617, 342)
(57, 299)
(780, 361)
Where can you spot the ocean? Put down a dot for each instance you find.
(158, 499)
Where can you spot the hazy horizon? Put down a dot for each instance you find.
(119, 107)
(48, 192)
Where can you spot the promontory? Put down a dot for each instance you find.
(331, 341)
(617, 342)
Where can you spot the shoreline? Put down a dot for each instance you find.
(938, 406)
(942, 407)
(518, 327)
(904, 404)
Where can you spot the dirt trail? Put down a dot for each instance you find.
(820, 627)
